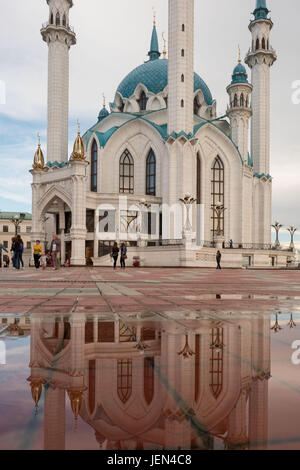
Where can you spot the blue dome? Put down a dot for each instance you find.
(154, 75)
(103, 114)
(240, 74)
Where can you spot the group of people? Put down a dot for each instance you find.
(116, 251)
(17, 248)
(52, 257)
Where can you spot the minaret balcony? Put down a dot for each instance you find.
(50, 28)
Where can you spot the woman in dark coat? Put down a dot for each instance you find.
(218, 258)
(115, 254)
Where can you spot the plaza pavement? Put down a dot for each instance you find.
(148, 290)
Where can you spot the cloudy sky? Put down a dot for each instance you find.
(113, 38)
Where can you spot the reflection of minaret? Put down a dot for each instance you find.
(54, 418)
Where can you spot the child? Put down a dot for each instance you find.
(6, 261)
(43, 260)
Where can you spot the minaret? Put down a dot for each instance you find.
(181, 66)
(239, 110)
(59, 36)
(260, 58)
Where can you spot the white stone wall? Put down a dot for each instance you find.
(181, 12)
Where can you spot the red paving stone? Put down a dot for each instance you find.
(105, 290)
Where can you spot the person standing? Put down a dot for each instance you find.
(37, 252)
(2, 247)
(15, 251)
(20, 250)
(115, 254)
(123, 255)
(55, 250)
(218, 258)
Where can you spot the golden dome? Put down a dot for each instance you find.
(76, 401)
(36, 390)
(78, 149)
(38, 161)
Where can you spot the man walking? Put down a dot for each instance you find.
(218, 258)
(55, 250)
(2, 247)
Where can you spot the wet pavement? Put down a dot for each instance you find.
(149, 359)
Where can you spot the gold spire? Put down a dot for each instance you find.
(239, 55)
(104, 100)
(165, 46)
(78, 149)
(154, 16)
(38, 161)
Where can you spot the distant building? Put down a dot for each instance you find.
(7, 228)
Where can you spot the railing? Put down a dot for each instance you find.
(68, 27)
(243, 246)
(164, 242)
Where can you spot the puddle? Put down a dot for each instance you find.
(117, 381)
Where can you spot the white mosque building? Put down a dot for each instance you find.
(160, 169)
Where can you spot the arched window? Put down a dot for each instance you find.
(143, 101)
(183, 28)
(182, 78)
(268, 44)
(235, 101)
(57, 21)
(94, 167)
(124, 383)
(64, 20)
(182, 52)
(196, 106)
(217, 193)
(92, 385)
(198, 179)
(151, 174)
(216, 361)
(148, 379)
(126, 173)
(242, 100)
(257, 44)
(182, 103)
(51, 18)
(263, 44)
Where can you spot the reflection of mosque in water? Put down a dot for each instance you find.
(191, 384)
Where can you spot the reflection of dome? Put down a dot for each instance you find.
(154, 75)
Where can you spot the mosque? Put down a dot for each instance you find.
(160, 170)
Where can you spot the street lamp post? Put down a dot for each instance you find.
(188, 201)
(143, 204)
(219, 210)
(277, 226)
(16, 220)
(292, 230)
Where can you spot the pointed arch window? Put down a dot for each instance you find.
(182, 78)
(263, 44)
(257, 44)
(151, 174)
(217, 192)
(149, 379)
(124, 381)
(126, 173)
(143, 101)
(57, 20)
(94, 167)
(216, 361)
(64, 20)
(51, 18)
(242, 100)
(182, 52)
(235, 101)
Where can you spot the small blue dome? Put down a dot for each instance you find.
(239, 74)
(103, 114)
(154, 75)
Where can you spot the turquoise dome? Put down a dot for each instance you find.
(154, 75)
(103, 114)
(239, 74)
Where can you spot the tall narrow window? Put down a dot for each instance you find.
(183, 28)
(57, 21)
(64, 20)
(198, 179)
(149, 379)
(235, 101)
(51, 19)
(182, 52)
(182, 103)
(242, 100)
(124, 383)
(217, 192)
(182, 78)
(263, 44)
(92, 385)
(126, 173)
(216, 362)
(143, 101)
(196, 106)
(151, 174)
(257, 44)
(94, 167)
